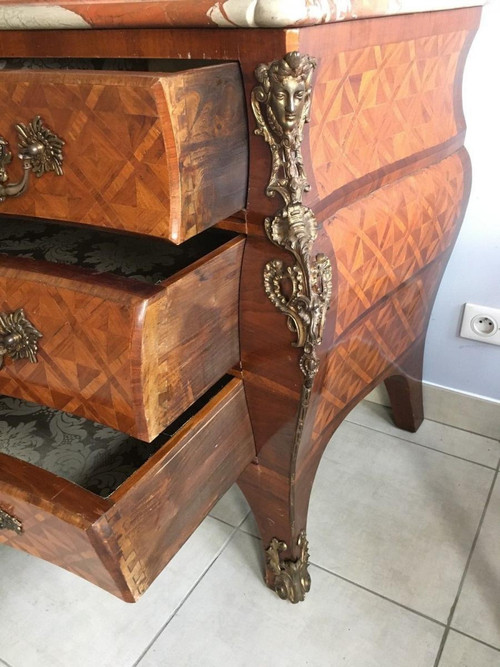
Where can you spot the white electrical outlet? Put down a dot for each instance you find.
(481, 323)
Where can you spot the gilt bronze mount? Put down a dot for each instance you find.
(18, 337)
(40, 151)
(290, 579)
(281, 104)
(301, 290)
(8, 522)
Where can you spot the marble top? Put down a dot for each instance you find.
(39, 14)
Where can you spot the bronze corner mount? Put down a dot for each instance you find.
(281, 105)
(290, 579)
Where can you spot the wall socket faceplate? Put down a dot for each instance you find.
(481, 323)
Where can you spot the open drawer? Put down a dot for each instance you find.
(161, 154)
(121, 541)
(134, 330)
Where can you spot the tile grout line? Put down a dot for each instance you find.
(188, 594)
(475, 639)
(227, 523)
(418, 444)
(465, 430)
(364, 588)
(379, 595)
(436, 421)
(467, 565)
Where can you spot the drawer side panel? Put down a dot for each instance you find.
(192, 336)
(158, 509)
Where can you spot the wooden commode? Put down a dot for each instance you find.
(224, 230)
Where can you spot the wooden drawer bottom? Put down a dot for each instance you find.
(107, 507)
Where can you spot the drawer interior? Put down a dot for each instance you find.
(140, 258)
(109, 64)
(95, 457)
(142, 501)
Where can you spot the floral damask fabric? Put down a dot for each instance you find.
(86, 453)
(141, 258)
(124, 64)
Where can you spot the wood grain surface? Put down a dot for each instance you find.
(129, 355)
(389, 187)
(158, 154)
(389, 200)
(122, 543)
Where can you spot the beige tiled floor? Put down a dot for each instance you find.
(403, 529)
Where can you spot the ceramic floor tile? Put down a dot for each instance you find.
(431, 434)
(394, 517)
(231, 618)
(51, 618)
(460, 651)
(468, 412)
(478, 609)
(232, 507)
(397, 518)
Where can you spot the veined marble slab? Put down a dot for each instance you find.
(38, 14)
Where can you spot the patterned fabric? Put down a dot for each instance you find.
(141, 258)
(125, 64)
(86, 453)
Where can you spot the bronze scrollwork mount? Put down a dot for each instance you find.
(18, 337)
(40, 151)
(281, 104)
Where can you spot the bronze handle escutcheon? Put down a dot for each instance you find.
(39, 149)
(8, 522)
(18, 337)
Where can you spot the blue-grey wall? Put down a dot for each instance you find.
(473, 274)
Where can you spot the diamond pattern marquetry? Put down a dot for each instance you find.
(108, 156)
(53, 539)
(374, 343)
(362, 121)
(84, 355)
(162, 155)
(382, 240)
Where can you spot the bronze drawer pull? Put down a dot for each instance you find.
(18, 337)
(8, 522)
(39, 149)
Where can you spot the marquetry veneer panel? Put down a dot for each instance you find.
(374, 343)
(159, 154)
(377, 105)
(121, 543)
(127, 354)
(382, 240)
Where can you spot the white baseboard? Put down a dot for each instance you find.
(466, 411)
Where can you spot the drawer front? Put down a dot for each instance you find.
(158, 154)
(57, 531)
(129, 355)
(122, 543)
